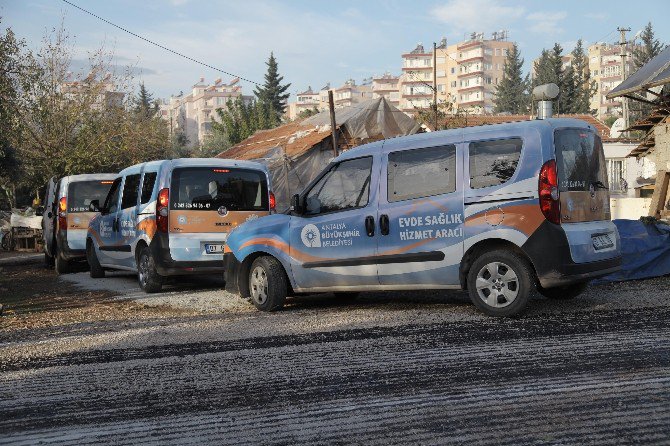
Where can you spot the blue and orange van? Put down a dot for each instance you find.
(500, 210)
(172, 217)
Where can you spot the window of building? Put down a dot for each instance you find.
(148, 186)
(504, 51)
(488, 51)
(130, 188)
(493, 162)
(421, 173)
(453, 84)
(453, 70)
(345, 186)
(441, 60)
(616, 169)
(488, 80)
(497, 51)
(442, 73)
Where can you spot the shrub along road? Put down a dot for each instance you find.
(389, 368)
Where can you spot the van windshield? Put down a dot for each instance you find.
(580, 160)
(81, 193)
(209, 188)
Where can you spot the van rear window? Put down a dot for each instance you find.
(580, 160)
(209, 188)
(81, 193)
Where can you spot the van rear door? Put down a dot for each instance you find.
(49, 216)
(582, 176)
(216, 199)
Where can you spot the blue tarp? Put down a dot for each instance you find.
(645, 250)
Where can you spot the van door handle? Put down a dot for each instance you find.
(384, 224)
(370, 225)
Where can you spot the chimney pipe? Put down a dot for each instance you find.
(544, 94)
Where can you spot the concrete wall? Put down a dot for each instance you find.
(662, 148)
(629, 208)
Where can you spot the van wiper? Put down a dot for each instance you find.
(599, 185)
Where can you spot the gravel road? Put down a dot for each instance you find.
(389, 368)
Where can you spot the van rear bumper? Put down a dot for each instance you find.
(167, 266)
(570, 273)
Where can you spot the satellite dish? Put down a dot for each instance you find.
(617, 127)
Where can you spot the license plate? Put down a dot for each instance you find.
(602, 241)
(214, 248)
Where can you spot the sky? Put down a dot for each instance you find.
(315, 42)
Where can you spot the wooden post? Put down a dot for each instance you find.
(435, 85)
(333, 129)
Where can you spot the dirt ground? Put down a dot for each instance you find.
(32, 298)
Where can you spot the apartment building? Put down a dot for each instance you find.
(467, 73)
(387, 86)
(605, 66)
(306, 100)
(194, 113)
(350, 94)
(101, 93)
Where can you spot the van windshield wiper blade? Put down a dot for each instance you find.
(599, 185)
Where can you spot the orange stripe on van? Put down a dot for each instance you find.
(283, 247)
(523, 217)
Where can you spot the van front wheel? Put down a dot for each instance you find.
(500, 283)
(267, 284)
(149, 279)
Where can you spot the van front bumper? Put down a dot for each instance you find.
(570, 273)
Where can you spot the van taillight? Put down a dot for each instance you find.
(548, 192)
(62, 214)
(162, 210)
(273, 201)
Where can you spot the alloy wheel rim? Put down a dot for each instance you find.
(258, 285)
(497, 284)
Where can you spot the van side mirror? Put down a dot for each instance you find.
(296, 204)
(94, 206)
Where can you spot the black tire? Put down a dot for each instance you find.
(96, 271)
(512, 291)
(565, 292)
(149, 279)
(61, 265)
(267, 284)
(346, 296)
(49, 261)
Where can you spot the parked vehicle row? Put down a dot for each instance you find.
(501, 211)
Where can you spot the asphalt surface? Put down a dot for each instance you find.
(389, 368)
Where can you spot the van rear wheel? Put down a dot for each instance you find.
(500, 283)
(96, 271)
(149, 279)
(565, 292)
(61, 265)
(267, 284)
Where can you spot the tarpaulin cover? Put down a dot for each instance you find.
(296, 152)
(645, 250)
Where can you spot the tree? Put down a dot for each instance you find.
(73, 123)
(239, 120)
(650, 48)
(273, 92)
(144, 102)
(584, 86)
(512, 91)
(308, 112)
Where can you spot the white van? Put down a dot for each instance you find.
(172, 217)
(499, 210)
(66, 216)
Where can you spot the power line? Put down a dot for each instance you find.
(159, 45)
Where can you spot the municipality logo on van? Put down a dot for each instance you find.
(311, 236)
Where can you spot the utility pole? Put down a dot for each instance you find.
(331, 104)
(624, 100)
(435, 85)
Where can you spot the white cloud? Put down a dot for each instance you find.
(547, 23)
(476, 15)
(600, 16)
